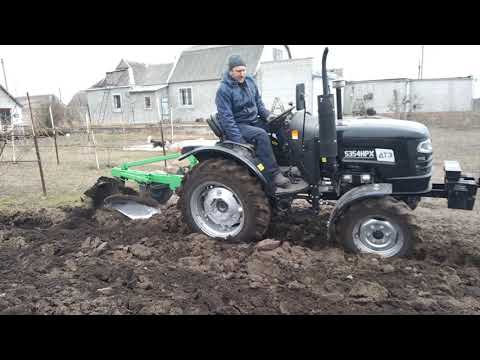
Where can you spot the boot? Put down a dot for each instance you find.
(280, 180)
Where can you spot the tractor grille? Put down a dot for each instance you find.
(423, 165)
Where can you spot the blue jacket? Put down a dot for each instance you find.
(238, 104)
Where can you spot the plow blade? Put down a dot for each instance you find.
(112, 194)
(133, 207)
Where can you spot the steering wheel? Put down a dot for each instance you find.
(280, 118)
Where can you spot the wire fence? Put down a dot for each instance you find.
(83, 156)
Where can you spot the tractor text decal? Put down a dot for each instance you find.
(360, 154)
(385, 155)
(381, 155)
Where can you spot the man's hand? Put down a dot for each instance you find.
(270, 118)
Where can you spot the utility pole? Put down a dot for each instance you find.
(421, 75)
(60, 92)
(4, 75)
(420, 66)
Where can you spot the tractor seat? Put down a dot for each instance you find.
(216, 127)
(218, 131)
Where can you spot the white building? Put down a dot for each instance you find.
(140, 93)
(10, 111)
(390, 96)
(199, 70)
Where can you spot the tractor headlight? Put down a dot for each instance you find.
(347, 179)
(365, 179)
(425, 147)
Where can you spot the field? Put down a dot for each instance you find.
(57, 256)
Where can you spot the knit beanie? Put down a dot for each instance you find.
(234, 61)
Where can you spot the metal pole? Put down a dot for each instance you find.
(3, 147)
(54, 133)
(163, 142)
(160, 117)
(13, 145)
(171, 120)
(421, 73)
(36, 148)
(87, 118)
(4, 75)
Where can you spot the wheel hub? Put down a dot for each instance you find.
(221, 207)
(217, 210)
(378, 235)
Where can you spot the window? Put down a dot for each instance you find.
(148, 103)
(117, 102)
(5, 118)
(186, 97)
(277, 54)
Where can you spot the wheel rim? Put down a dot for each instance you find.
(217, 210)
(378, 235)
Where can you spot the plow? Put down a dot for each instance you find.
(154, 188)
(377, 170)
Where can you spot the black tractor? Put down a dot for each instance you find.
(377, 170)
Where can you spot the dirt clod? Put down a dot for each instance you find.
(267, 245)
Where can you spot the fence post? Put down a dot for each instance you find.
(36, 148)
(13, 144)
(89, 130)
(54, 133)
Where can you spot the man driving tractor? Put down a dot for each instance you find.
(244, 118)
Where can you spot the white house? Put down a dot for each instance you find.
(197, 74)
(185, 91)
(132, 93)
(10, 111)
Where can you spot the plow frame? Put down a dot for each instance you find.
(174, 181)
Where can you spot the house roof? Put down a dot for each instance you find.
(143, 75)
(376, 80)
(150, 74)
(79, 99)
(10, 95)
(38, 99)
(114, 79)
(147, 88)
(406, 79)
(209, 62)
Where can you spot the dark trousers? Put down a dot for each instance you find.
(257, 135)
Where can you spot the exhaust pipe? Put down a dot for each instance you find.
(327, 123)
(339, 85)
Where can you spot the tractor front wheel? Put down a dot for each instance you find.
(222, 200)
(383, 226)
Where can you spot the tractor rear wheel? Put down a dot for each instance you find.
(383, 226)
(221, 199)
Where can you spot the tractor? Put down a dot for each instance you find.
(376, 170)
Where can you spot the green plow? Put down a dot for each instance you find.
(155, 188)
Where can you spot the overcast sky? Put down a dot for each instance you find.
(41, 69)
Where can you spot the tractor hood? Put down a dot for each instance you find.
(363, 128)
(378, 127)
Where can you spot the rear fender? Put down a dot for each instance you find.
(241, 156)
(355, 195)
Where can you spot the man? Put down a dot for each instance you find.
(240, 108)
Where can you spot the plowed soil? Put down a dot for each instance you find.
(81, 261)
